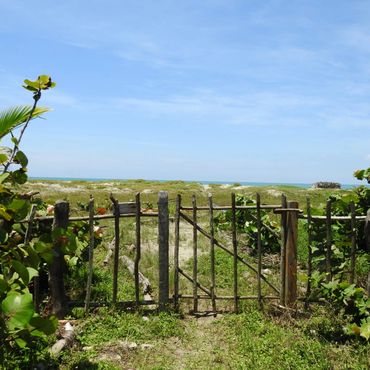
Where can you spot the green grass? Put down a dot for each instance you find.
(249, 340)
(75, 191)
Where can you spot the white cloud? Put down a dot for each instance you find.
(253, 109)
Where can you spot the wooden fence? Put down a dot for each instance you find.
(285, 293)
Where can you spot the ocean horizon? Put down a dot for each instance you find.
(203, 182)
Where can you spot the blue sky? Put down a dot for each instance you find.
(229, 90)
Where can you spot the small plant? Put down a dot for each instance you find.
(20, 326)
(348, 300)
(352, 303)
(246, 223)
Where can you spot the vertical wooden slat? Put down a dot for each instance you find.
(328, 240)
(28, 233)
(116, 248)
(367, 238)
(91, 254)
(235, 251)
(138, 247)
(57, 266)
(353, 243)
(212, 252)
(309, 262)
(283, 250)
(195, 255)
(291, 256)
(259, 252)
(176, 252)
(163, 233)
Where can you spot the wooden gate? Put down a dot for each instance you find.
(284, 289)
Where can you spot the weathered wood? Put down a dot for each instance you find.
(66, 341)
(163, 232)
(138, 246)
(227, 208)
(185, 275)
(57, 267)
(283, 250)
(91, 254)
(235, 251)
(195, 255)
(333, 218)
(28, 234)
(127, 208)
(36, 293)
(328, 240)
(116, 248)
(309, 262)
(143, 281)
(217, 243)
(212, 252)
(259, 251)
(176, 252)
(96, 217)
(118, 304)
(353, 243)
(110, 250)
(230, 297)
(291, 257)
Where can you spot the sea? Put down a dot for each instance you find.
(203, 182)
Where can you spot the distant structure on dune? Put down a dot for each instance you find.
(326, 185)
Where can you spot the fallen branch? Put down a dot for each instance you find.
(143, 281)
(66, 341)
(110, 249)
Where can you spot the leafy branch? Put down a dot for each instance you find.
(362, 175)
(22, 115)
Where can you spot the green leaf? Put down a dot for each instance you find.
(19, 177)
(19, 207)
(33, 84)
(3, 158)
(365, 330)
(44, 325)
(13, 117)
(32, 272)
(4, 214)
(22, 271)
(30, 88)
(20, 342)
(21, 158)
(4, 176)
(18, 308)
(44, 79)
(15, 140)
(3, 284)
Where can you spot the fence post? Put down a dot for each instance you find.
(367, 236)
(283, 250)
(176, 253)
(57, 266)
(163, 232)
(291, 256)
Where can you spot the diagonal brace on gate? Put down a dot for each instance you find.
(205, 290)
(202, 231)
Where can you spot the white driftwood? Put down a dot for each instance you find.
(110, 249)
(66, 341)
(144, 281)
